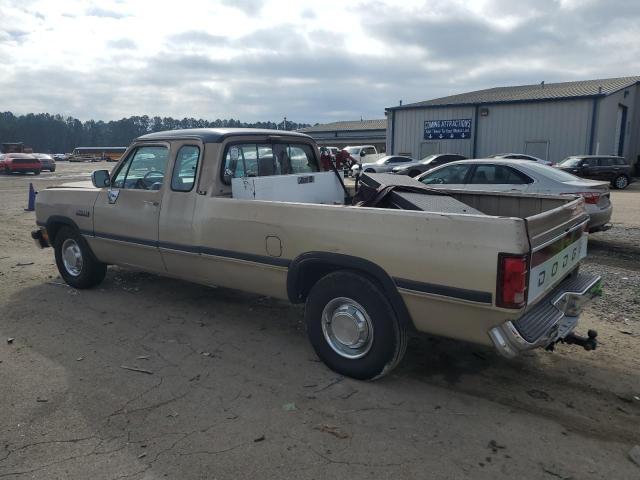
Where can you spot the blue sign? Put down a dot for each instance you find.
(447, 129)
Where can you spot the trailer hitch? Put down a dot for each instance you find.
(588, 343)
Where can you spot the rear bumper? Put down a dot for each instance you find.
(599, 217)
(550, 320)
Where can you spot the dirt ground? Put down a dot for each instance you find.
(234, 390)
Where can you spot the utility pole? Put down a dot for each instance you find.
(285, 123)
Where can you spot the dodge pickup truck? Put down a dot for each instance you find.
(497, 269)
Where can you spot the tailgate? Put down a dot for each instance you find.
(558, 243)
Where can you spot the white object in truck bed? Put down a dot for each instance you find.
(314, 187)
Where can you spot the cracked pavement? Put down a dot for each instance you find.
(237, 392)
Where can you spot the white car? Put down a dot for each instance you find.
(502, 175)
(384, 164)
(363, 153)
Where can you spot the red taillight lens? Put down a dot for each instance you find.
(512, 281)
(589, 197)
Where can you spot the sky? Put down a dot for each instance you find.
(311, 61)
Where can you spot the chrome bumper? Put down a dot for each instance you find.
(551, 319)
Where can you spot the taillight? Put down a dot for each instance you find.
(589, 197)
(512, 281)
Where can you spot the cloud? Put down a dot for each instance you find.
(103, 13)
(261, 61)
(249, 7)
(122, 43)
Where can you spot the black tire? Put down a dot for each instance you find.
(389, 337)
(90, 273)
(36, 172)
(414, 173)
(369, 170)
(621, 182)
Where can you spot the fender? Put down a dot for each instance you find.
(322, 263)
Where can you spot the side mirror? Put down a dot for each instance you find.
(362, 154)
(101, 178)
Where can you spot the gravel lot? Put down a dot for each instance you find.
(235, 391)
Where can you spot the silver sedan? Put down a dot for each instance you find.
(501, 175)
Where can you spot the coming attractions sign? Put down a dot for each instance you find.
(459, 128)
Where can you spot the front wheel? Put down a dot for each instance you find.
(352, 326)
(76, 262)
(621, 182)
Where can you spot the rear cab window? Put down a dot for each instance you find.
(266, 159)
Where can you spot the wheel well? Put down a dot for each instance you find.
(54, 224)
(306, 270)
(370, 170)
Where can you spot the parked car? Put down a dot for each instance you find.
(469, 276)
(520, 156)
(22, 163)
(47, 161)
(427, 163)
(503, 175)
(363, 153)
(333, 151)
(384, 164)
(60, 157)
(610, 168)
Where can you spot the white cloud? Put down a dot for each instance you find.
(309, 60)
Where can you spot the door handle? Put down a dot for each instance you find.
(151, 203)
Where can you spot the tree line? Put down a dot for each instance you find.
(49, 133)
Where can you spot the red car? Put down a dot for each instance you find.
(20, 162)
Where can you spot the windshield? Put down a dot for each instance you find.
(570, 162)
(353, 150)
(551, 172)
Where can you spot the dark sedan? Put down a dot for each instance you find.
(427, 163)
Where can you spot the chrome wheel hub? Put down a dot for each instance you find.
(347, 328)
(72, 257)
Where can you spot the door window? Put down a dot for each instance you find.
(605, 162)
(143, 169)
(498, 175)
(590, 162)
(185, 168)
(449, 175)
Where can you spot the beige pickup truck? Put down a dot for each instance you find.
(497, 269)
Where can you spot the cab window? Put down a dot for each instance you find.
(260, 160)
(185, 168)
(449, 175)
(143, 169)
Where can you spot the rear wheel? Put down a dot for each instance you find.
(76, 262)
(621, 182)
(36, 172)
(370, 170)
(353, 327)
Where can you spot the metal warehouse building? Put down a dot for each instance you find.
(342, 134)
(550, 121)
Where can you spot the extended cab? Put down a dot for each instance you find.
(497, 269)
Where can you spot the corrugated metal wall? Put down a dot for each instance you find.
(563, 126)
(605, 140)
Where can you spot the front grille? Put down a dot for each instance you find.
(544, 315)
